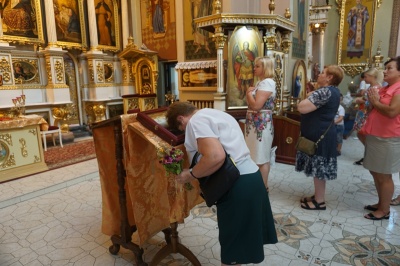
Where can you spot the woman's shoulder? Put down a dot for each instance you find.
(268, 82)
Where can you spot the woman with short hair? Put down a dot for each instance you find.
(318, 112)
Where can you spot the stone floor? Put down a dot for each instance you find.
(54, 218)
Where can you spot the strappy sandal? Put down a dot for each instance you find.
(395, 201)
(317, 206)
(371, 216)
(370, 208)
(307, 199)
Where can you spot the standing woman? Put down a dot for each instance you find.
(259, 131)
(382, 139)
(318, 111)
(373, 78)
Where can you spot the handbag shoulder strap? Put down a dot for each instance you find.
(323, 135)
(197, 154)
(194, 160)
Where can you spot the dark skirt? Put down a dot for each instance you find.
(245, 221)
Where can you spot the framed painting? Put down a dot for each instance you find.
(299, 81)
(300, 33)
(4, 152)
(357, 20)
(107, 25)
(108, 72)
(22, 21)
(245, 44)
(158, 21)
(26, 71)
(70, 23)
(201, 77)
(198, 42)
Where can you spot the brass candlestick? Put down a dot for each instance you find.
(19, 105)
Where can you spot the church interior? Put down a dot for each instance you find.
(107, 70)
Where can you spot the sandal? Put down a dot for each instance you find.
(317, 206)
(359, 162)
(307, 199)
(371, 216)
(395, 201)
(370, 208)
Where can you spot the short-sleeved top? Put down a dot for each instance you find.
(315, 123)
(380, 125)
(212, 123)
(339, 113)
(267, 84)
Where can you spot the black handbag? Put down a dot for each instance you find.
(216, 185)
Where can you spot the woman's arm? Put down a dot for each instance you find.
(257, 103)
(391, 110)
(306, 106)
(213, 156)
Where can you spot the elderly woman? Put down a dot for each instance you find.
(382, 141)
(318, 112)
(245, 218)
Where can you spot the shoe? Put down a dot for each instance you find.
(370, 208)
(370, 216)
(317, 206)
(306, 199)
(395, 201)
(339, 153)
(359, 162)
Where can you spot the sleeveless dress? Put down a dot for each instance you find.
(323, 164)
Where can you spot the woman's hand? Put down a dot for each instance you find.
(184, 177)
(250, 89)
(373, 95)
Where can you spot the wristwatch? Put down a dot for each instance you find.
(191, 172)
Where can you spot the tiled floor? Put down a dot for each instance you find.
(54, 218)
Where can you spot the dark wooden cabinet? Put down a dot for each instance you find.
(286, 134)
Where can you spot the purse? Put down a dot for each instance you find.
(216, 185)
(305, 145)
(309, 147)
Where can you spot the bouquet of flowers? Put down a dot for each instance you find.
(172, 160)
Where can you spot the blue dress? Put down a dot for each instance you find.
(323, 164)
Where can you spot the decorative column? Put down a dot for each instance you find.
(94, 41)
(57, 91)
(220, 96)
(50, 24)
(125, 26)
(321, 36)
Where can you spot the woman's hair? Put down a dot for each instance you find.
(337, 73)
(377, 74)
(395, 59)
(176, 109)
(267, 65)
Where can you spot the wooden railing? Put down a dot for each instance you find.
(200, 104)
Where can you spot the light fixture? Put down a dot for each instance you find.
(316, 25)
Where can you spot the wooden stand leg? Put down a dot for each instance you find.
(173, 246)
(125, 239)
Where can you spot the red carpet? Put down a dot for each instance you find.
(71, 153)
